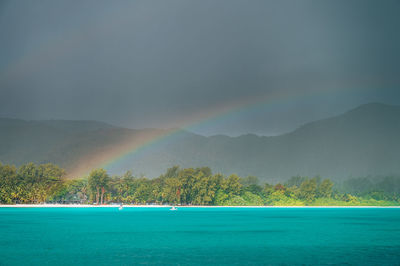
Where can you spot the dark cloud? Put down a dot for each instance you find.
(153, 63)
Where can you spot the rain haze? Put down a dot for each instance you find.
(162, 64)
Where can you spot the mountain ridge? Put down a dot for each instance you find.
(362, 141)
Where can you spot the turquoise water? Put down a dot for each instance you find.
(192, 236)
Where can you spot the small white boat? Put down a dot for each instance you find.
(120, 207)
(173, 208)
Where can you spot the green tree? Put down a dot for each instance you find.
(8, 184)
(142, 193)
(308, 190)
(98, 183)
(233, 186)
(171, 191)
(325, 188)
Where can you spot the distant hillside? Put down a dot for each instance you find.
(23, 141)
(70, 144)
(363, 141)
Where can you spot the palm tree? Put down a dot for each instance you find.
(98, 180)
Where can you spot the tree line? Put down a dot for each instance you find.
(42, 183)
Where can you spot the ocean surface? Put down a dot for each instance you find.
(199, 236)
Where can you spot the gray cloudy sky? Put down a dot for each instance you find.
(162, 63)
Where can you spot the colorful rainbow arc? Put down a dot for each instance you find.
(108, 157)
(133, 146)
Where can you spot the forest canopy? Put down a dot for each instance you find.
(46, 183)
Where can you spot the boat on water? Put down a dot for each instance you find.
(173, 208)
(120, 207)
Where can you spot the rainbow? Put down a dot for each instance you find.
(107, 156)
(144, 139)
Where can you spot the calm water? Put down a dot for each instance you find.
(107, 236)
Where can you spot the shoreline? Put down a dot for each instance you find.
(169, 206)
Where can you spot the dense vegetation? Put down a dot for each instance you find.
(32, 183)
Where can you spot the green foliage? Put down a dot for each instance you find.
(235, 201)
(220, 198)
(8, 183)
(232, 185)
(350, 199)
(325, 189)
(308, 190)
(252, 199)
(278, 198)
(98, 184)
(32, 183)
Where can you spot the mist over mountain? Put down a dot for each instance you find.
(363, 141)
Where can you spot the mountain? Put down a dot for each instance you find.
(363, 141)
(23, 141)
(74, 145)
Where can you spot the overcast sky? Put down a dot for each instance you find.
(165, 63)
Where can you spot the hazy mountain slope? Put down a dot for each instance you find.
(23, 141)
(363, 141)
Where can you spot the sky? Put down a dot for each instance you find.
(214, 67)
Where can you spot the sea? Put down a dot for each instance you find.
(199, 236)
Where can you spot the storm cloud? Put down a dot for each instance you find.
(158, 63)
